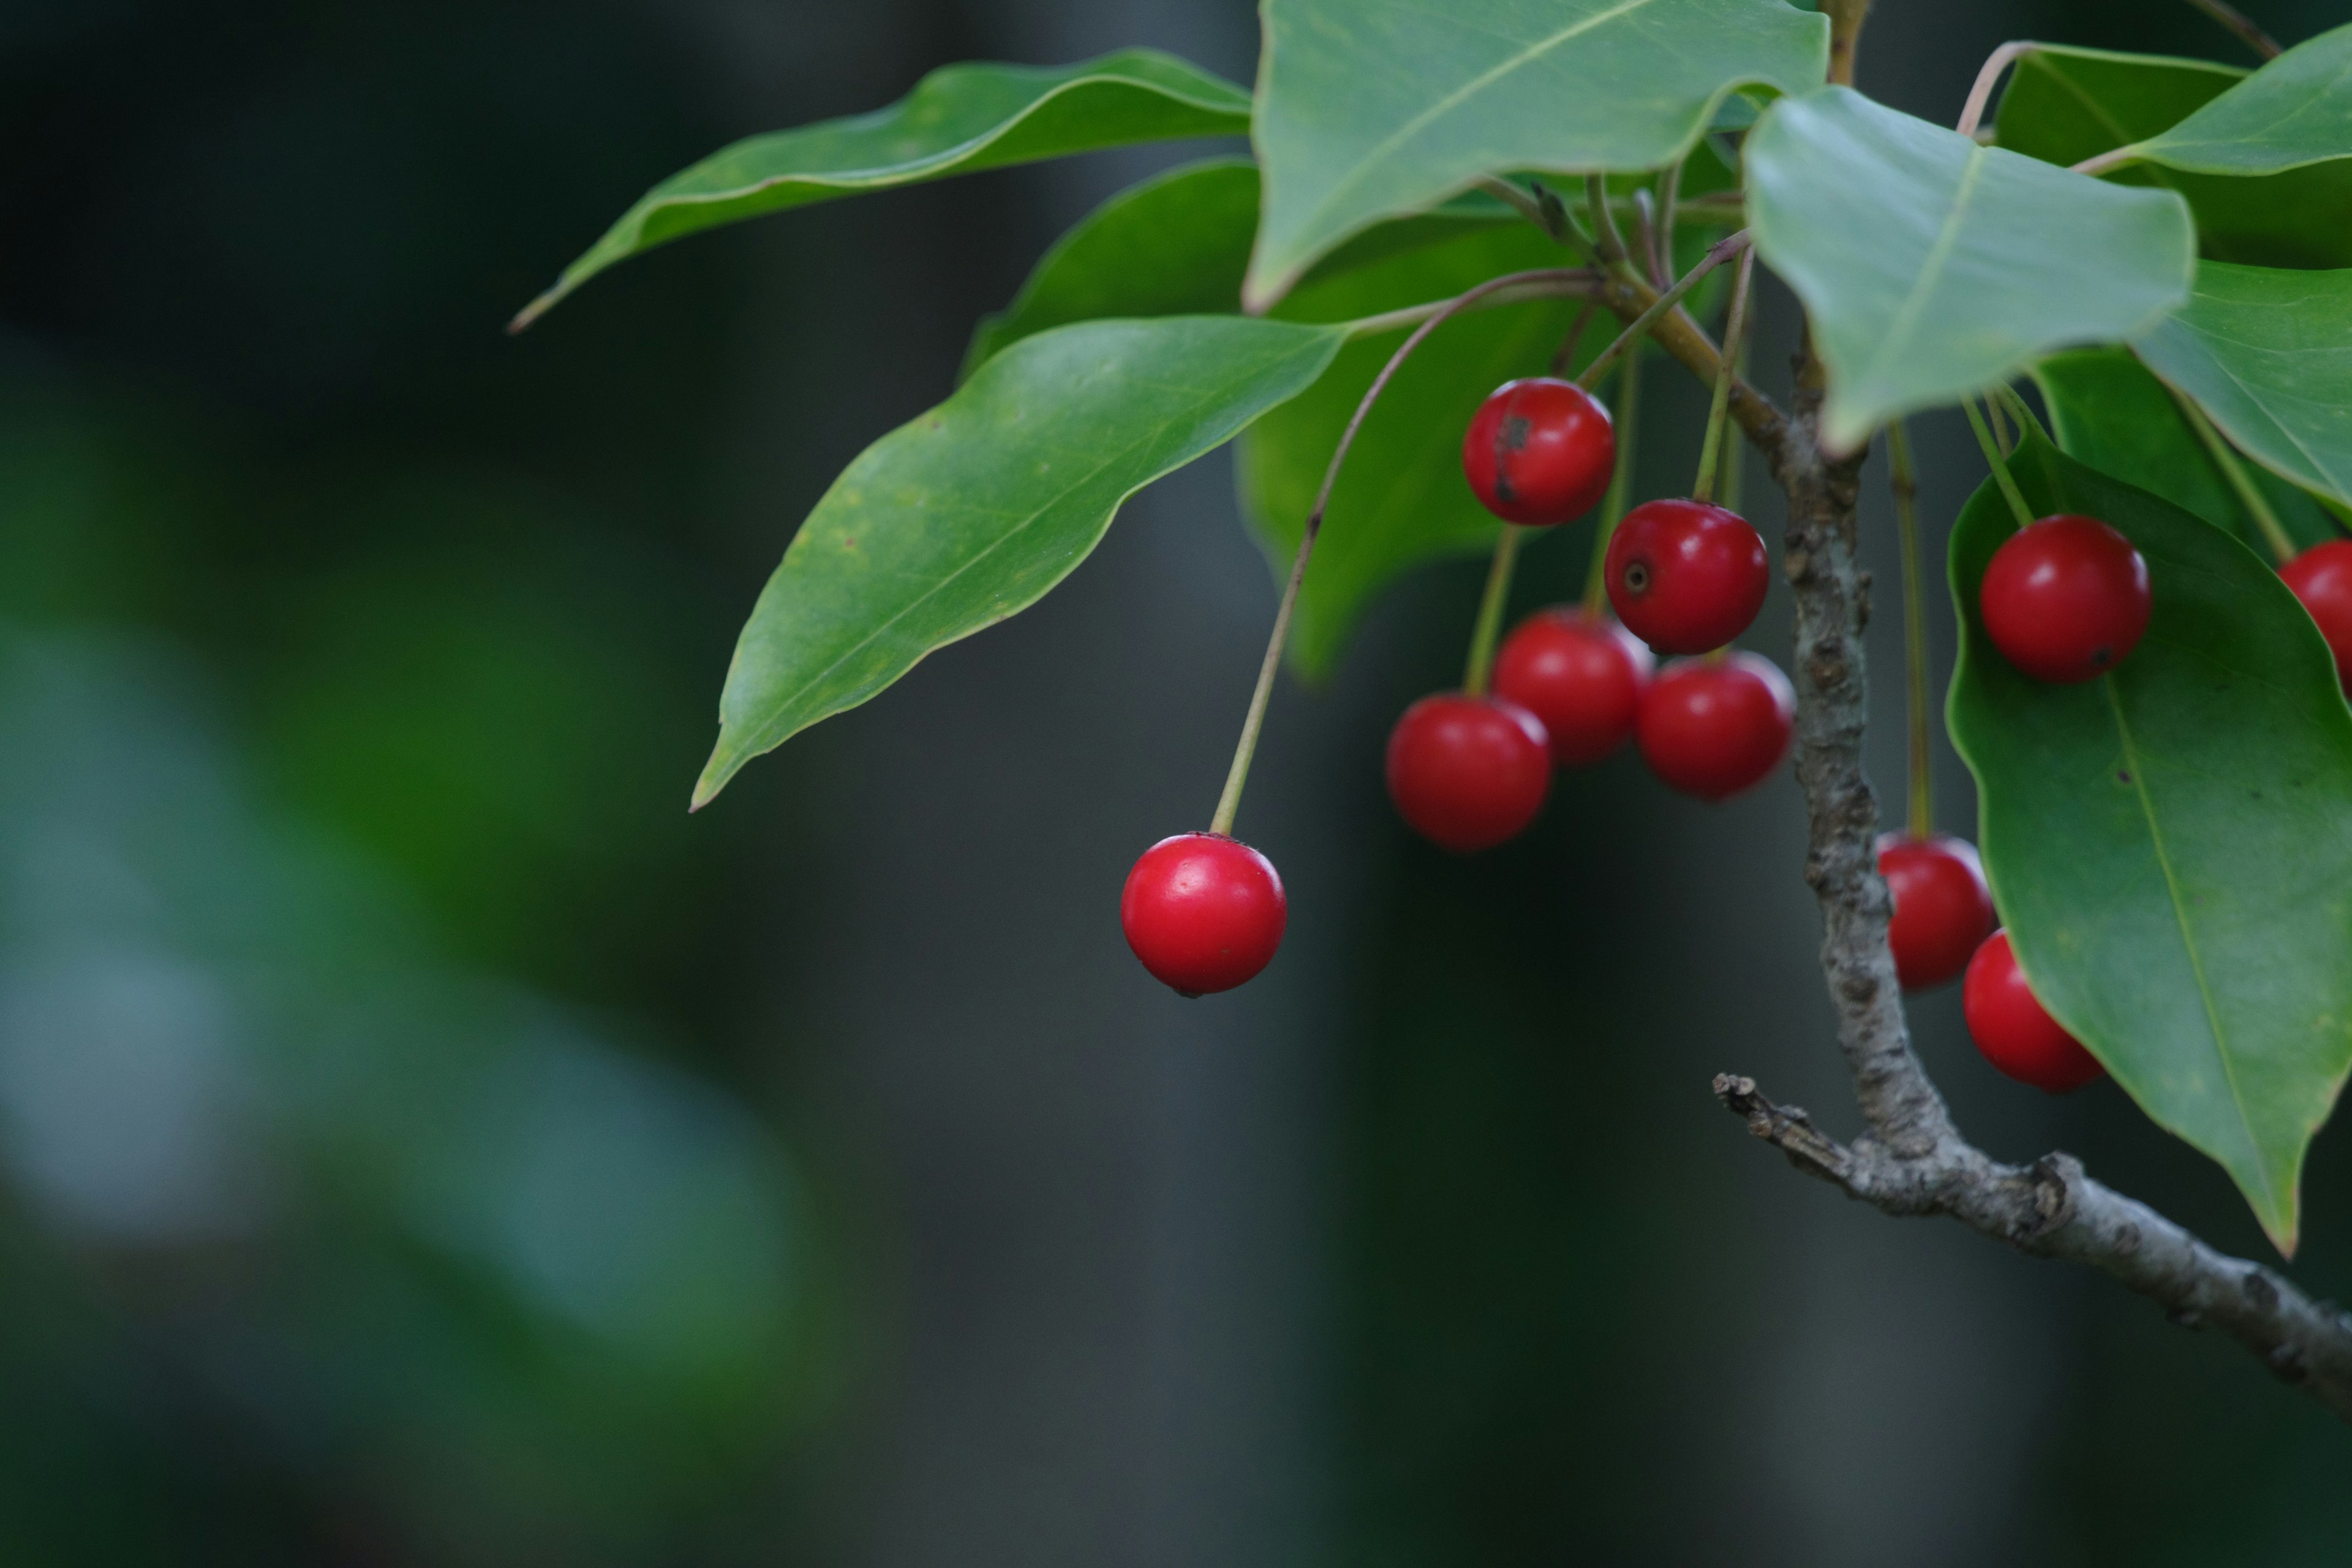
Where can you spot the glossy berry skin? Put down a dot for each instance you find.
(1581, 674)
(2066, 599)
(2322, 578)
(1712, 727)
(1204, 913)
(2012, 1031)
(1684, 576)
(1468, 772)
(1539, 452)
(1942, 908)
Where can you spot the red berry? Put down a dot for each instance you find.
(1204, 913)
(1468, 772)
(2322, 578)
(1581, 674)
(1942, 907)
(1685, 576)
(2013, 1029)
(1711, 727)
(2066, 599)
(1539, 451)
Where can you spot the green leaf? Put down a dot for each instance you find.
(1402, 499)
(2268, 353)
(1372, 108)
(960, 120)
(2170, 846)
(1931, 266)
(1174, 246)
(972, 511)
(2107, 411)
(2296, 110)
(2066, 105)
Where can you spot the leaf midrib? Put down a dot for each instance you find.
(1456, 99)
(2187, 939)
(1931, 272)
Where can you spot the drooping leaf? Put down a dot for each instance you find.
(2296, 110)
(2065, 105)
(972, 511)
(1373, 107)
(2107, 411)
(2170, 846)
(1931, 266)
(2268, 353)
(1402, 499)
(1173, 245)
(959, 120)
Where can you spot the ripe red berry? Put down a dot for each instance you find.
(1684, 576)
(1539, 451)
(1581, 674)
(1942, 907)
(2322, 578)
(2013, 1030)
(1711, 727)
(1468, 772)
(2066, 599)
(1204, 913)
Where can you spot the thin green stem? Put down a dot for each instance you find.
(1620, 483)
(1735, 441)
(1606, 241)
(1980, 95)
(1491, 605)
(1710, 446)
(1717, 254)
(1514, 288)
(2000, 419)
(1564, 356)
(1645, 240)
(1670, 188)
(2020, 411)
(1229, 803)
(1540, 207)
(2250, 495)
(1905, 481)
(2000, 474)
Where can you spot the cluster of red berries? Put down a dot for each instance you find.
(1470, 771)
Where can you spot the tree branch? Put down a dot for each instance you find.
(1912, 1160)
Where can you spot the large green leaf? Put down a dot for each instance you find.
(1371, 107)
(1402, 499)
(2170, 846)
(972, 511)
(2066, 105)
(2106, 410)
(2296, 110)
(959, 120)
(2268, 353)
(1931, 266)
(1173, 245)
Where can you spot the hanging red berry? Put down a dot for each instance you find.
(2012, 1028)
(1581, 674)
(1942, 907)
(1712, 727)
(1685, 576)
(2066, 599)
(1539, 451)
(2322, 578)
(1468, 772)
(1204, 913)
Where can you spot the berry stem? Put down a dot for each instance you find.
(1607, 242)
(2018, 411)
(1905, 481)
(1512, 288)
(1620, 483)
(2257, 505)
(1491, 603)
(2000, 474)
(1734, 446)
(1998, 418)
(1565, 356)
(1717, 254)
(1980, 95)
(1229, 803)
(2238, 22)
(1670, 189)
(1710, 446)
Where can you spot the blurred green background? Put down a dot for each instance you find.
(421, 1142)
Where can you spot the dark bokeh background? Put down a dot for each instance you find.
(424, 1143)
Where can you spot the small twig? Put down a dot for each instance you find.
(1645, 240)
(1999, 464)
(1491, 605)
(2238, 22)
(1710, 451)
(1670, 186)
(1517, 289)
(1716, 255)
(1607, 242)
(1545, 214)
(2250, 496)
(1980, 95)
